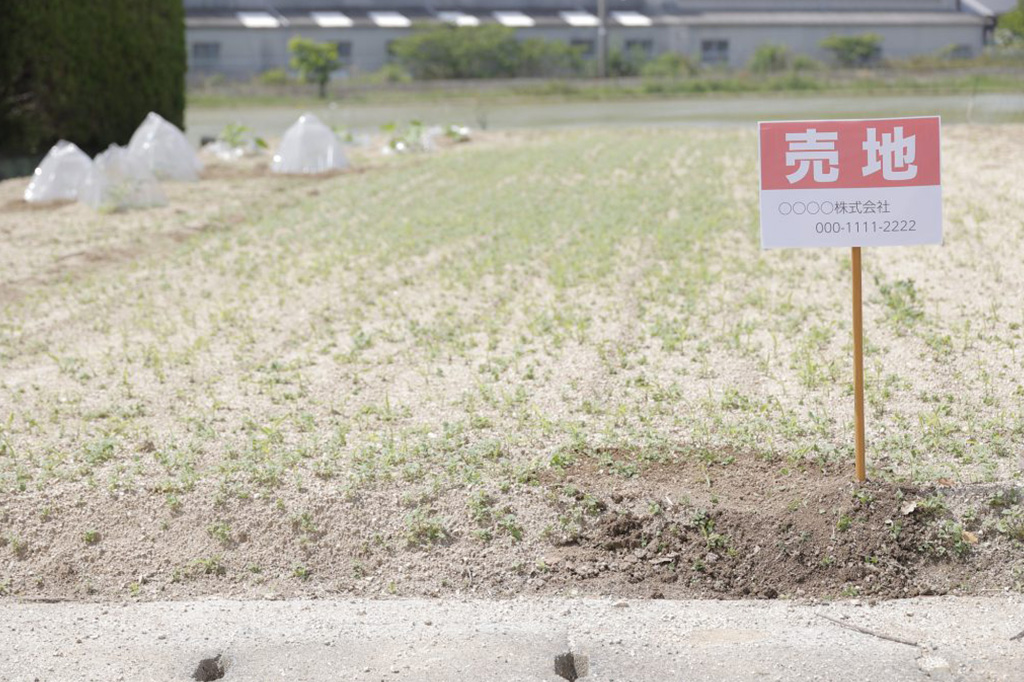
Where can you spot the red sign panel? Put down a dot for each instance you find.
(850, 183)
(902, 152)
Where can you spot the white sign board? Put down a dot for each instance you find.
(850, 183)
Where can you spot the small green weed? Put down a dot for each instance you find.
(424, 528)
(903, 309)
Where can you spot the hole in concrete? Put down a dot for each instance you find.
(209, 669)
(570, 666)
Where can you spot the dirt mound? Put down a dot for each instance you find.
(725, 527)
(767, 529)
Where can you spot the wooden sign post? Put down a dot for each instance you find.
(858, 367)
(851, 183)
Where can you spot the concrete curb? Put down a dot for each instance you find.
(425, 640)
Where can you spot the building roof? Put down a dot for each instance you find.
(995, 6)
(831, 19)
(403, 17)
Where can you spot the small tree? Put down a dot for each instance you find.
(851, 51)
(314, 61)
(1013, 22)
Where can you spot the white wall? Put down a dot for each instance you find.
(897, 41)
(663, 38)
(670, 6)
(246, 52)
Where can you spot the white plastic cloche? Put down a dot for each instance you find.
(309, 146)
(164, 150)
(59, 174)
(118, 180)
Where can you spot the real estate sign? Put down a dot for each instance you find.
(850, 183)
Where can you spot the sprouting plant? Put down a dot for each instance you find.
(510, 525)
(304, 522)
(423, 528)
(236, 135)
(1006, 498)
(457, 133)
(414, 138)
(903, 309)
(561, 459)
(863, 497)
(221, 532)
(210, 565)
(6, 449)
(1011, 523)
(480, 507)
(895, 529)
(344, 134)
(933, 505)
(947, 538)
(18, 546)
(706, 526)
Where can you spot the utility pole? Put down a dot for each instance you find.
(602, 38)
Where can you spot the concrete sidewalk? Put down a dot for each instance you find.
(956, 639)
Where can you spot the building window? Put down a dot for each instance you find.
(585, 48)
(345, 50)
(714, 51)
(206, 52)
(640, 48)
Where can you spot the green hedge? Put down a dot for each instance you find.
(87, 70)
(489, 51)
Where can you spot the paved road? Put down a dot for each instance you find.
(271, 121)
(966, 639)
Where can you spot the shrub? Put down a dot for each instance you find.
(954, 52)
(389, 73)
(88, 72)
(621, 64)
(274, 77)
(626, 62)
(669, 65)
(1012, 22)
(770, 58)
(491, 51)
(802, 62)
(314, 61)
(446, 52)
(215, 80)
(548, 58)
(793, 81)
(851, 51)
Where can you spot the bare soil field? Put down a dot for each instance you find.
(544, 363)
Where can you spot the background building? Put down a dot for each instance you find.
(240, 38)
